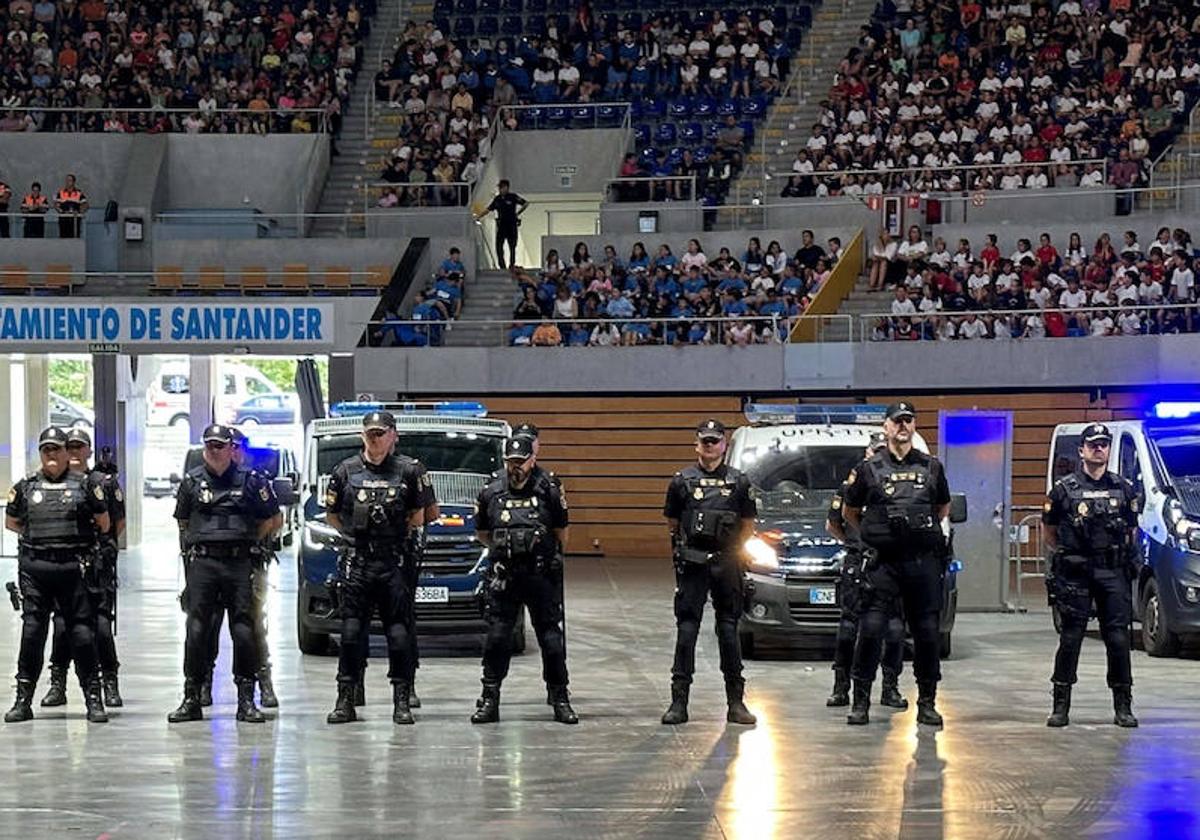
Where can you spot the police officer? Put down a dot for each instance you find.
(1090, 517)
(71, 204)
(376, 499)
(850, 601)
(508, 207)
(104, 590)
(521, 516)
(897, 500)
(223, 512)
(711, 514)
(59, 515)
(261, 555)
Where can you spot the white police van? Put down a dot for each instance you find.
(460, 447)
(1160, 454)
(796, 457)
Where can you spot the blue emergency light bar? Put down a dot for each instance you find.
(451, 409)
(1176, 410)
(775, 413)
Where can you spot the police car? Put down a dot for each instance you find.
(1160, 454)
(796, 457)
(460, 447)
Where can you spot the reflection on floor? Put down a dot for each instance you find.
(996, 771)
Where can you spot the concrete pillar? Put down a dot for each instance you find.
(36, 405)
(7, 473)
(341, 378)
(132, 375)
(108, 429)
(201, 391)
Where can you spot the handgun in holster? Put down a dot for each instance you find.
(868, 561)
(188, 555)
(91, 567)
(1053, 576)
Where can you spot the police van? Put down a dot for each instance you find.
(796, 457)
(461, 448)
(1160, 454)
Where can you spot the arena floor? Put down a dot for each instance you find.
(995, 771)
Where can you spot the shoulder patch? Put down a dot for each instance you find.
(118, 495)
(12, 495)
(850, 479)
(1135, 504)
(1047, 506)
(98, 492)
(836, 504)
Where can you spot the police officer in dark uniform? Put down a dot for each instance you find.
(261, 555)
(508, 207)
(59, 515)
(521, 516)
(1090, 517)
(897, 500)
(711, 515)
(223, 512)
(376, 499)
(103, 588)
(850, 600)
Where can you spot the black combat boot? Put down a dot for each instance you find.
(860, 711)
(401, 713)
(190, 708)
(205, 690)
(736, 711)
(22, 708)
(343, 709)
(890, 694)
(487, 710)
(247, 712)
(414, 702)
(266, 689)
(1060, 715)
(1123, 706)
(94, 701)
(360, 692)
(112, 691)
(56, 695)
(563, 713)
(926, 712)
(840, 696)
(677, 713)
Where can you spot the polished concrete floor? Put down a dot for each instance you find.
(994, 772)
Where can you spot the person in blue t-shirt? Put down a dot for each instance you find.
(732, 283)
(733, 304)
(619, 306)
(448, 292)
(665, 258)
(668, 287)
(521, 335)
(639, 260)
(453, 264)
(577, 335)
(425, 309)
(791, 284)
(693, 283)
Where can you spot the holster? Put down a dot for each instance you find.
(187, 556)
(1053, 576)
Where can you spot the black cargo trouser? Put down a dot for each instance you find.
(104, 607)
(213, 582)
(541, 594)
(55, 584)
(377, 582)
(908, 585)
(1081, 583)
(850, 600)
(694, 583)
(258, 615)
(505, 234)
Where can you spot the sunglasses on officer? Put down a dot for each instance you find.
(1097, 445)
(711, 441)
(215, 445)
(375, 434)
(76, 445)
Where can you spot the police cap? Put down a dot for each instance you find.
(383, 420)
(710, 430)
(237, 436)
(528, 430)
(52, 437)
(217, 432)
(78, 435)
(1095, 432)
(518, 449)
(897, 410)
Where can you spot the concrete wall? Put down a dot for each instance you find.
(280, 173)
(36, 254)
(529, 158)
(358, 254)
(99, 161)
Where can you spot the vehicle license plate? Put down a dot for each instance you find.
(825, 595)
(436, 595)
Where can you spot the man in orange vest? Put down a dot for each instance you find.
(71, 205)
(5, 197)
(35, 206)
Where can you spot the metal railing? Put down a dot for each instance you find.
(173, 120)
(48, 225)
(297, 280)
(1026, 547)
(564, 115)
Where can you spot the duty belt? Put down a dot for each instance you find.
(59, 554)
(377, 548)
(1112, 557)
(223, 551)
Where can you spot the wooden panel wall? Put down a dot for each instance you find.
(617, 454)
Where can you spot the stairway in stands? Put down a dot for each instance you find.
(351, 168)
(789, 122)
(490, 297)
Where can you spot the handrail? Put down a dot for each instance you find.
(818, 173)
(834, 290)
(321, 123)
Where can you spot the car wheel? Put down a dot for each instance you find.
(311, 643)
(1157, 638)
(746, 640)
(179, 420)
(944, 646)
(249, 421)
(81, 423)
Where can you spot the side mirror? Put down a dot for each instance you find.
(284, 491)
(958, 507)
(175, 478)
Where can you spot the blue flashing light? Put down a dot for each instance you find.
(1176, 410)
(956, 566)
(774, 413)
(452, 409)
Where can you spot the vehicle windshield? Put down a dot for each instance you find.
(793, 479)
(438, 451)
(1180, 452)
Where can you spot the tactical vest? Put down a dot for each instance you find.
(1094, 520)
(519, 523)
(377, 512)
(903, 515)
(57, 513)
(220, 514)
(710, 521)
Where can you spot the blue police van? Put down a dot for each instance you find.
(461, 448)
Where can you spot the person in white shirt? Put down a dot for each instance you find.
(1126, 291)
(1001, 330)
(947, 330)
(1037, 180)
(1183, 280)
(1072, 297)
(1129, 322)
(972, 327)
(1011, 180)
(1011, 155)
(1102, 323)
(1093, 177)
(940, 256)
(902, 305)
(1040, 295)
(1149, 290)
(977, 280)
(914, 248)
(1035, 326)
(1024, 252)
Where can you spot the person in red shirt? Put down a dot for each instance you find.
(1046, 253)
(1056, 325)
(990, 254)
(1035, 152)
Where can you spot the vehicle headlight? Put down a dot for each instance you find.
(1186, 531)
(318, 536)
(762, 556)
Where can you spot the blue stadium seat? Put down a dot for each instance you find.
(727, 108)
(648, 158)
(534, 25)
(702, 154)
(560, 6)
(609, 24)
(442, 23)
(532, 117)
(511, 6)
(464, 27)
(711, 130)
(464, 7)
(488, 26)
(704, 107)
(641, 134)
(653, 108)
(443, 8)
(632, 20)
(794, 38)
(804, 17)
(610, 115)
(692, 133)
(779, 17)
(583, 116)
(537, 7)
(754, 107)
(665, 134)
(488, 7)
(675, 156)
(557, 117)
(680, 109)
(748, 130)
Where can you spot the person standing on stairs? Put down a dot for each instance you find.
(508, 207)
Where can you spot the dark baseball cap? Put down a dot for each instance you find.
(900, 409)
(52, 436)
(528, 430)
(217, 432)
(1096, 431)
(78, 435)
(384, 420)
(518, 448)
(710, 429)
